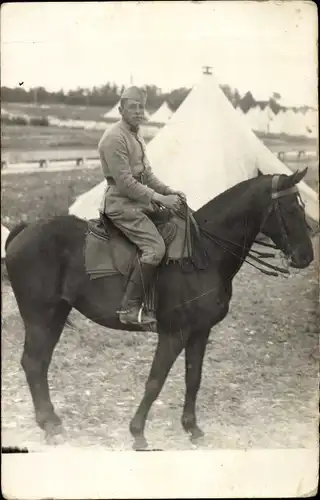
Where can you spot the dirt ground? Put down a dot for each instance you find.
(259, 387)
(260, 378)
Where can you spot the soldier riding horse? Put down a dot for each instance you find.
(46, 267)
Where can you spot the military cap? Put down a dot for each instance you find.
(135, 93)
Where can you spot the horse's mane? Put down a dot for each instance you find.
(231, 200)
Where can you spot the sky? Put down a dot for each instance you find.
(263, 47)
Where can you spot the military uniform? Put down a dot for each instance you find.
(128, 200)
(131, 184)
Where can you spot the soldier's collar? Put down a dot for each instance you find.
(134, 130)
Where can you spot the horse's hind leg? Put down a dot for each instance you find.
(194, 353)
(43, 331)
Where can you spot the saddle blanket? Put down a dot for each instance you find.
(107, 255)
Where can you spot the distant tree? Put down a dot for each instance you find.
(16, 94)
(176, 97)
(227, 90)
(274, 106)
(275, 96)
(236, 98)
(154, 96)
(247, 102)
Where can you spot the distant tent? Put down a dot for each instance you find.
(4, 235)
(259, 120)
(256, 119)
(276, 126)
(311, 122)
(268, 116)
(240, 111)
(162, 115)
(113, 114)
(293, 123)
(204, 160)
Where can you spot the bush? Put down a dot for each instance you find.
(14, 120)
(41, 121)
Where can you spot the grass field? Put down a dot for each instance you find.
(22, 143)
(32, 196)
(61, 111)
(259, 386)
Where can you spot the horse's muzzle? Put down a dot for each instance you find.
(300, 263)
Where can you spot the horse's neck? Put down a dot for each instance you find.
(235, 217)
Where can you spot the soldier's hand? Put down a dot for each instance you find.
(171, 201)
(181, 194)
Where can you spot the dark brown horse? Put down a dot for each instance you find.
(46, 268)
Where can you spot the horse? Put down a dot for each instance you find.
(45, 264)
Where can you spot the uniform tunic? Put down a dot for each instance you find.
(131, 185)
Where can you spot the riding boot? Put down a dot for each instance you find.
(131, 311)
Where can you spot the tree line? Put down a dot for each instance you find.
(109, 94)
(106, 95)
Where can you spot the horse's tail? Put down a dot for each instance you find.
(14, 232)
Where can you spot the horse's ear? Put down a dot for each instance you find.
(259, 173)
(297, 176)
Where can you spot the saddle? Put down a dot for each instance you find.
(108, 251)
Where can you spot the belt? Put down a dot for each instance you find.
(112, 182)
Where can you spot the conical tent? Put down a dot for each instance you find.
(260, 119)
(311, 121)
(268, 116)
(204, 149)
(163, 114)
(4, 236)
(240, 112)
(293, 123)
(113, 114)
(256, 119)
(276, 126)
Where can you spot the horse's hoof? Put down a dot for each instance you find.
(53, 429)
(140, 444)
(195, 435)
(54, 439)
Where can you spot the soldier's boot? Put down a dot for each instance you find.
(131, 311)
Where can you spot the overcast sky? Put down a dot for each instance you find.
(262, 47)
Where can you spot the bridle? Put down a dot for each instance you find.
(273, 206)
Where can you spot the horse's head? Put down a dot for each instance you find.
(284, 219)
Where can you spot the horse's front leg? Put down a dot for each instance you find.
(194, 353)
(168, 349)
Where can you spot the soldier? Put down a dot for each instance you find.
(132, 191)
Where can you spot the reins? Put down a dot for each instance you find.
(253, 254)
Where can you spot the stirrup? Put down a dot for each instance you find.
(138, 321)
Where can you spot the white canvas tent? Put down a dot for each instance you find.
(256, 119)
(290, 123)
(268, 117)
(311, 121)
(204, 149)
(113, 114)
(276, 126)
(240, 112)
(4, 236)
(293, 123)
(260, 119)
(163, 114)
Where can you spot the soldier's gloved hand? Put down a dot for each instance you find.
(181, 195)
(171, 201)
